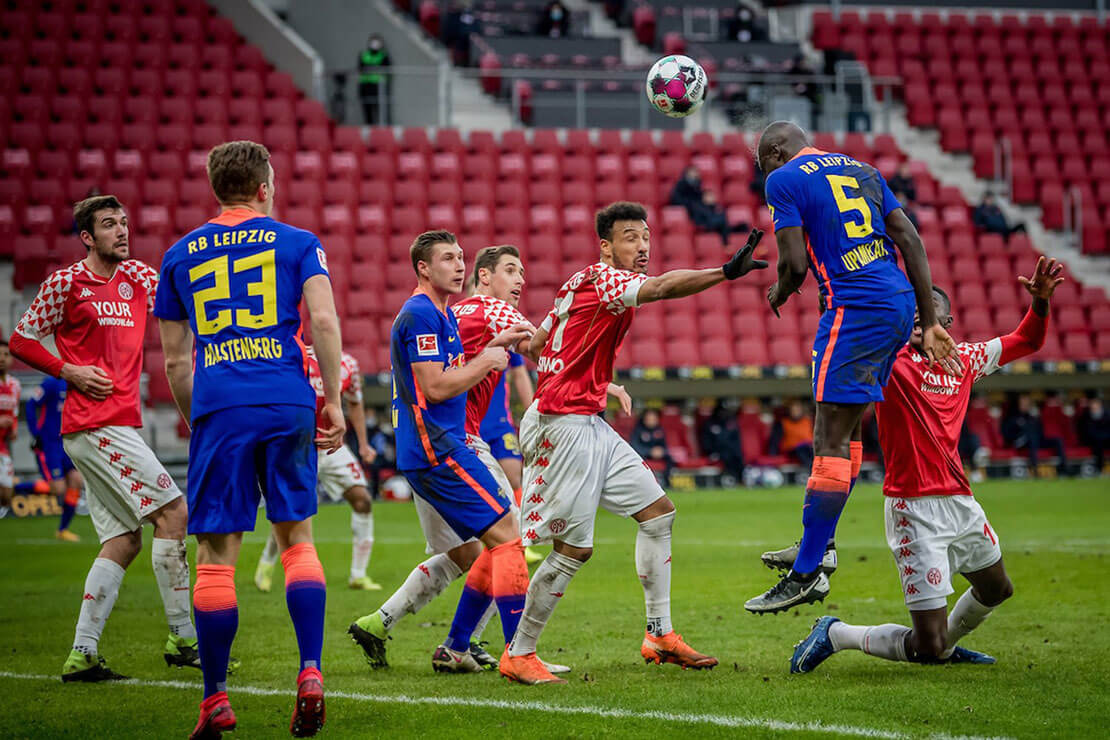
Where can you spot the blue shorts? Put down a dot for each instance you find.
(53, 461)
(462, 491)
(855, 347)
(503, 443)
(239, 454)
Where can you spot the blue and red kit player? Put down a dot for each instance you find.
(497, 429)
(44, 422)
(458, 499)
(236, 285)
(835, 216)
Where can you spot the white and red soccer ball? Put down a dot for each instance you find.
(676, 86)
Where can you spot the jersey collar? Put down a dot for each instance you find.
(235, 216)
(806, 151)
(421, 291)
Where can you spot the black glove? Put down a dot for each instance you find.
(742, 262)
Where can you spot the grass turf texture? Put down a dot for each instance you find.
(1050, 639)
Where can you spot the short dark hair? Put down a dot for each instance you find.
(84, 212)
(421, 249)
(236, 169)
(3, 341)
(622, 210)
(947, 300)
(488, 257)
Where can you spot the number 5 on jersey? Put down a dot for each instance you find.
(220, 290)
(846, 204)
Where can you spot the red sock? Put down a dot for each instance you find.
(518, 494)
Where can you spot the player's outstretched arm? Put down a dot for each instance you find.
(682, 283)
(328, 344)
(792, 266)
(177, 346)
(1030, 334)
(938, 346)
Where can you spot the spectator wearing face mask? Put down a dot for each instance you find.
(371, 81)
(554, 20)
(745, 25)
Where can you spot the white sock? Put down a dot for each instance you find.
(270, 551)
(653, 565)
(171, 569)
(101, 589)
(481, 626)
(847, 636)
(886, 641)
(362, 542)
(427, 581)
(548, 586)
(965, 616)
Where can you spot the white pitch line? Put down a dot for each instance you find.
(718, 720)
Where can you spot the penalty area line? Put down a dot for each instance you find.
(718, 720)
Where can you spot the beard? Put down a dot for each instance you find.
(112, 254)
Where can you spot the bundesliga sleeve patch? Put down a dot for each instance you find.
(323, 258)
(427, 345)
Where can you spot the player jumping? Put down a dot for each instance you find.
(836, 216)
(339, 476)
(96, 309)
(934, 526)
(574, 461)
(236, 284)
(10, 391)
(458, 499)
(44, 422)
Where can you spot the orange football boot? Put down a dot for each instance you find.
(308, 713)
(215, 719)
(526, 669)
(670, 648)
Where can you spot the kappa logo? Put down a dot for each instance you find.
(905, 552)
(903, 522)
(427, 345)
(531, 535)
(145, 501)
(136, 486)
(535, 498)
(542, 462)
(911, 590)
(934, 576)
(557, 594)
(85, 293)
(908, 571)
(115, 457)
(88, 597)
(901, 505)
(905, 540)
(103, 442)
(125, 471)
(546, 444)
(533, 517)
(126, 292)
(424, 569)
(557, 525)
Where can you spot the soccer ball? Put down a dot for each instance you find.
(676, 86)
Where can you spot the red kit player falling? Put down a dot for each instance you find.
(934, 525)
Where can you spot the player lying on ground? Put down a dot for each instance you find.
(339, 476)
(96, 309)
(457, 497)
(934, 526)
(10, 391)
(837, 217)
(44, 422)
(235, 284)
(574, 461)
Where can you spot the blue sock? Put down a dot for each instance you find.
(68, 510)
(217, 616)
(472, 605)
(826, 494)
(856, 459)
(305, 596)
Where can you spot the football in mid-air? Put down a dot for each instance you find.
(676, 85)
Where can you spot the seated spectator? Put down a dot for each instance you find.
(745, 25)
(793, 435)
(903, 182)
(650, 442)
(1094, 430)
(990, 218)
(1022, 429)
(554, 20)
(702, 206)
(720, 441)
(974, 455)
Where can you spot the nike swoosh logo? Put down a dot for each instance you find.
(515, 611)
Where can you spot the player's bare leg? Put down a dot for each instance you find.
(101, 591)
(989, 588)
(826, 495)
(362, 538)
(653, 565)
(426, 581)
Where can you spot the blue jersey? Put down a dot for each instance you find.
(238, 280)
(44, 411)
(498, 418)
(842, 205)
(427, 433)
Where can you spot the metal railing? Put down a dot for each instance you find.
(588, 98)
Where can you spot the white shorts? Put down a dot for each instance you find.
(337, 473)
(438, 533)
(7, 472)
(574, 463)
(124, 481)
(933, 538)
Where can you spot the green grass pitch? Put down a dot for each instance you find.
(1051, 639)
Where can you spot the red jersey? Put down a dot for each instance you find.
(350, 382)
(95, 321)
(9, 409)
(923, 411)
(480, 319)
(593, 312)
